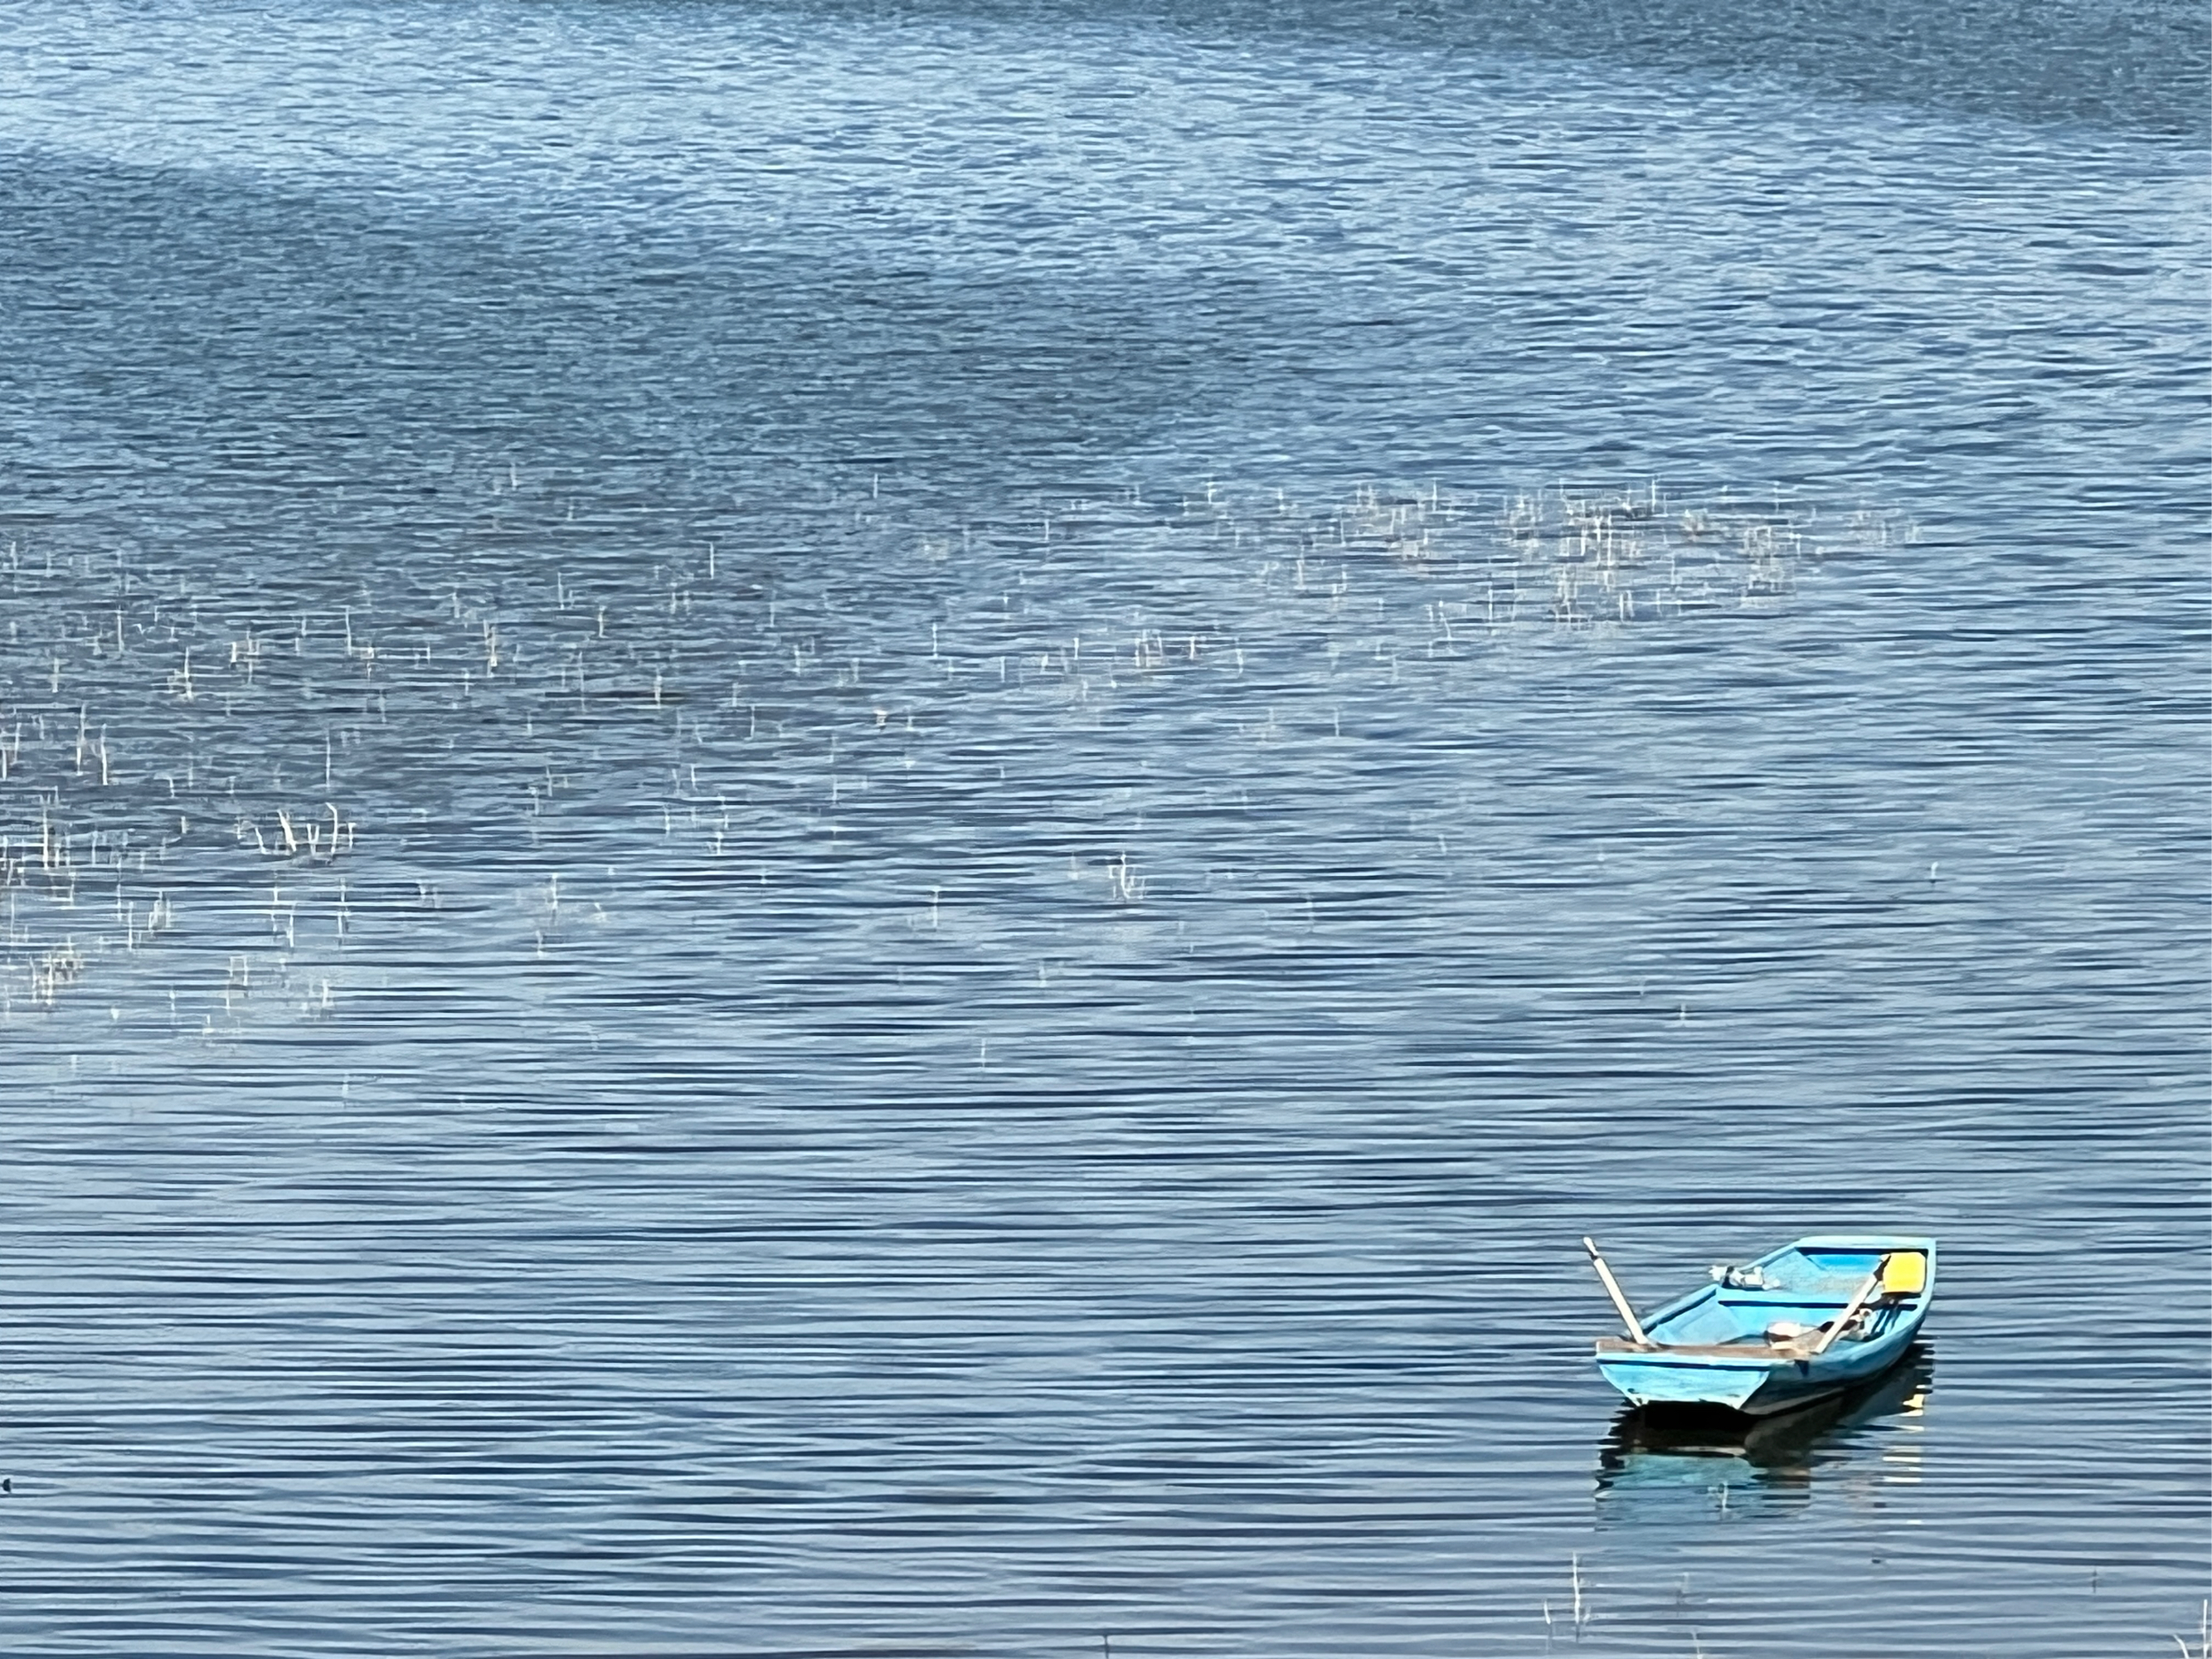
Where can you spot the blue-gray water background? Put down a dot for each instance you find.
(801, 858)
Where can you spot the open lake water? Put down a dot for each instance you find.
(865, 830)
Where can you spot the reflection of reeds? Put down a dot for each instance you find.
(54, 969)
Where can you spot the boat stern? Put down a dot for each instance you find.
(1659, 1377)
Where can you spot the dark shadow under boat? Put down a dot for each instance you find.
(1713, 1449)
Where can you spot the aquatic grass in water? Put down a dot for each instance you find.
(167, 737)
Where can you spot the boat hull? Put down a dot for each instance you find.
(1658, 1446)
(1726, 1366)
(1756, 1385)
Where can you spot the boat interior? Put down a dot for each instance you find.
(1789, 1295)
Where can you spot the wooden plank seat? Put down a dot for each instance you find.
(1748, 1349)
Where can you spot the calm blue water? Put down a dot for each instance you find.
(864, 830)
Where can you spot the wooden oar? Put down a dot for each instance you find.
(1613, 1288)
(1851, 1308)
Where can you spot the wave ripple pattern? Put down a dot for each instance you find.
(859, 831)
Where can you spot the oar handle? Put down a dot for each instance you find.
(1850, 1308)
(1613, 1288)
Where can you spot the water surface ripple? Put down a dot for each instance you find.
(864, 830)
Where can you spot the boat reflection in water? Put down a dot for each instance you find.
(1659, 1458)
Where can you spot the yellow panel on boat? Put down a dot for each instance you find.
(1905, 1273)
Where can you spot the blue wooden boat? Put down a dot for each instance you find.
(1799, 1324)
